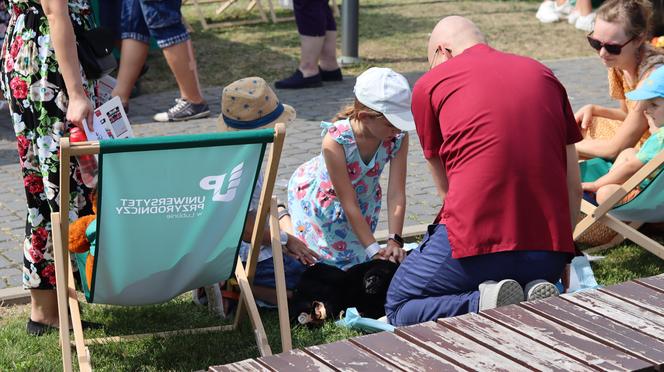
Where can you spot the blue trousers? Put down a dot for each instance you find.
(430, 284)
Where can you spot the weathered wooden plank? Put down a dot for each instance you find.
(346, 356)
(639, 295)
(461, 350)
(402, 353)
(565, 340)
(656, 282)
(522, 349)
(620, 311)
(294, 360)
(600, 328)
(248, 365)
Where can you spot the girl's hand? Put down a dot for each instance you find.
(584, 117)
(299, 251)
(392, 252)
(79, 109)
(589, 186)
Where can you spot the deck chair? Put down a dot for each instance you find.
(170, 216)
(647, 206)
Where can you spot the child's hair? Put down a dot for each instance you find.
(634, 15)
(351, 111)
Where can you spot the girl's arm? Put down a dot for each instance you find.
(617, 175)
(335, 161)
(627, 135)
(64, 44)
(396, 200)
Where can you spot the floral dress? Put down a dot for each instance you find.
(35, 90)
(318, 219)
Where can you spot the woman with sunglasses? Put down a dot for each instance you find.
(620, 38)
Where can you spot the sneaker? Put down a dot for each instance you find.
(539, 289)
(298, 81)
(183, 110)
(496, 294)
(546, 13)
(572, 17)
(332, 75)
(586, 22)
(564, 10)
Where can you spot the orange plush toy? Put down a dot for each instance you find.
(79, 241)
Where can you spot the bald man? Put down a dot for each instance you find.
(498, 134)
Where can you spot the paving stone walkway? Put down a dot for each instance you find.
(584, 78)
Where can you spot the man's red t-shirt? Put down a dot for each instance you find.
(500, 124)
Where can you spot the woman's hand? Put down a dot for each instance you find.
(298, 250)
(79, 109)
(584, 117)
(392, 252)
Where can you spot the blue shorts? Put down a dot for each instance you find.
(160, 19)
(264, 275)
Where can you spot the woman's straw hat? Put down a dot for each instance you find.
(250, 103)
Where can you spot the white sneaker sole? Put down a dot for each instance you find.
(540, 290)
(505, 292)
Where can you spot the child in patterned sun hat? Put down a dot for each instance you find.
(248, 104)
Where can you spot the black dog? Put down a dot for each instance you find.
(325, 291)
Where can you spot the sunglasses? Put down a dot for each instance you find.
(614, 49)
(435, 54)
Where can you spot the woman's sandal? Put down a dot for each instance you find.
(37, 329)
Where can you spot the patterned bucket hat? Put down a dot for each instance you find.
(250, 103)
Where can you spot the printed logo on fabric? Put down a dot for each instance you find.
(217, 182)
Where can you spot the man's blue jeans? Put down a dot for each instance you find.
(430, 284)
(160, 19)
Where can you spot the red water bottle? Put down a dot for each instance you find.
(87, 164)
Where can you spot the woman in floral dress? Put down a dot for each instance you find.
(47, 94)
(335, 198)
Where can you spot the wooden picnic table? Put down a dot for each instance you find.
(616, 328)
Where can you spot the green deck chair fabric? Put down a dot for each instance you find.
(647, 206)
(171, 213)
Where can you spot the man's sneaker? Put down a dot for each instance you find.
(183, 110)
(539, 289)
(586, 22)
(546, 13)
(504, 292)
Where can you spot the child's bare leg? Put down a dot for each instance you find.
(605, 192)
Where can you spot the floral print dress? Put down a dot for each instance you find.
(318, 219)
(37, 98)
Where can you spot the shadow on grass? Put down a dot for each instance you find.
(628, 261)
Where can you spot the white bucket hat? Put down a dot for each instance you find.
(387, 92)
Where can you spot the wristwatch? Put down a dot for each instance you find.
(397, 238)
(283, 238)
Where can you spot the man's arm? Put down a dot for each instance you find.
(574, 192)
(439, 176)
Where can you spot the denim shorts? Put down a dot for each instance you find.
(160, 19)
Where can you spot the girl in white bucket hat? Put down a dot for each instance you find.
(335, 198)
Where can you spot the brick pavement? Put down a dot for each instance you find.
(585, 80)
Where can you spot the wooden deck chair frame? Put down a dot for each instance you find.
(225, 4)
(602, 214)
(66, 292)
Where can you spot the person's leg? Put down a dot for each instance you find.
(311, 21)
(134, 51)
(605, 192)
(328, 55)
(182, 62)
(265, 283)
(133, 56)
(164, 21)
